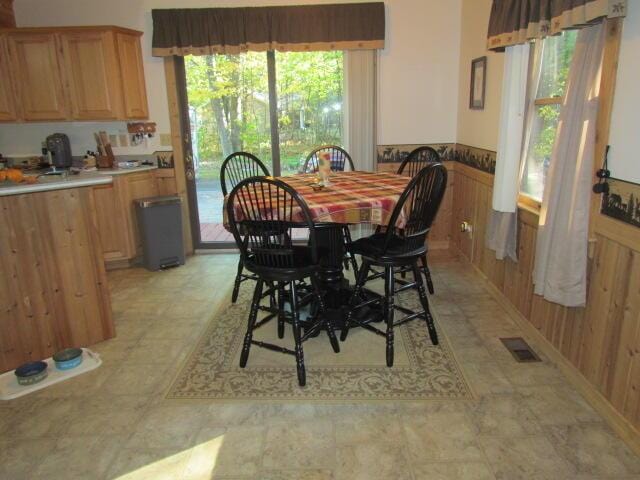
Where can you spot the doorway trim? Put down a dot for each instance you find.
(178, 151)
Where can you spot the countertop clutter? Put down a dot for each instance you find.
(60, 182)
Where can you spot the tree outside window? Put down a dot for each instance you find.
(230, 111)
(556, 54)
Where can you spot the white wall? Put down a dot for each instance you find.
(478, 128)
(624, 138)
(418, 70)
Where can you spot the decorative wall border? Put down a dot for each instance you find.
(478, 158)
(397, 153)
(622, 202)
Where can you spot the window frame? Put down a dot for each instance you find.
(524, 199)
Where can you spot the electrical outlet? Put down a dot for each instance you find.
(165, 139)
(124, 139)
(113, 140)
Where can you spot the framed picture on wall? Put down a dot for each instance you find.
(478, 79)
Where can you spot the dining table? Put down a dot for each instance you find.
(349, 198)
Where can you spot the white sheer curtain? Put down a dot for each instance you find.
(502, 232)
(560, 271)
(360, 107)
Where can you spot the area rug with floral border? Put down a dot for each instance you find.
(211, 371)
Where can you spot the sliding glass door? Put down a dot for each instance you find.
(278, 106)
(310, 104)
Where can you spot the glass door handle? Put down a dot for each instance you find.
(188, 166)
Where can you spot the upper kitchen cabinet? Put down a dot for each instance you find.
(91, 64)
(132, 72)
(7, 95)
(76, 73)
(36, 70)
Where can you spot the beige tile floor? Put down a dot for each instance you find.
(114, 423)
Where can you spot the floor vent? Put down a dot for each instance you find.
(520, 349)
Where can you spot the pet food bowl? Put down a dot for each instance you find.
(68, 358)
(31, 373)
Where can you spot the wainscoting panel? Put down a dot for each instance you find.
(440, 235)
(602, 341)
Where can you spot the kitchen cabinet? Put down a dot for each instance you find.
(166, 181)
(36, 69)
(91, 64)
(116, 216)
(7, 95)
(132, 73)
(76, 74)
(112, 224)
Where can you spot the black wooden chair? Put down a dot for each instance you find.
(262, 213)
(398, 248)
(416, 160)
(340, 159)
(235, 168)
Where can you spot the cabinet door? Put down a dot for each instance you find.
(91, 67)
(132, 72)
(7, 96)
(38, 75)
(113, 224)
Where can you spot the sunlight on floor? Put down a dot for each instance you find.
(196, 462)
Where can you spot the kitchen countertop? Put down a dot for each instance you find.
(55, 182)
(124, 171)
(72, 181)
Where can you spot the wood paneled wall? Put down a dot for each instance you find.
(601, 341)
(440, 235)
(53, 285)
(7, 17)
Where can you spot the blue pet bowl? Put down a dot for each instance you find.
(31, 373)
(68, 358)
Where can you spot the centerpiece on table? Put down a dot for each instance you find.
(324, 169)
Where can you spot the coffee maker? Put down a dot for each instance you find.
(58, 145)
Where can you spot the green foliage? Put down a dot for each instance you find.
(229, 105)
(544, 144)
(556, 60)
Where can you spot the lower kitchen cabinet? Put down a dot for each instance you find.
(116, 216)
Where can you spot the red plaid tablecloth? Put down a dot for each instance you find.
(352, 197)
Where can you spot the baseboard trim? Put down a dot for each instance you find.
(629, 434)
(438, 244)
(111, 265)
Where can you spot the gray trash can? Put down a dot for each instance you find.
(160, 227)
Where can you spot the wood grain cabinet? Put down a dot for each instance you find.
(91, 65)
(7, 96)
(132, 73)
(38, 76)
(75, 73)
(113, 226)
(116, 216)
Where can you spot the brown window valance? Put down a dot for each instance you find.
(518, 21)
(206, 31)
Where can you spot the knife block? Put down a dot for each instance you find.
(104, 161)
(107, 160)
